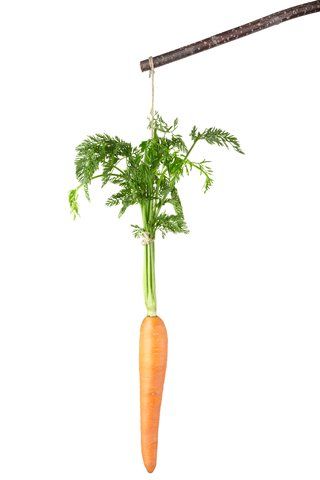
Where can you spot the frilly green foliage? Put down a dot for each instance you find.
(146, 175)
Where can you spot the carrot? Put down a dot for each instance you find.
(152, 366)
(147, 176)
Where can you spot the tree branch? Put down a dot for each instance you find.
(233, 34)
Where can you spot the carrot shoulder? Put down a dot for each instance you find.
(152, 366)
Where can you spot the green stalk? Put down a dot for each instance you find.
(149, 277)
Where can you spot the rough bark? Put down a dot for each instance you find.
(233, 34)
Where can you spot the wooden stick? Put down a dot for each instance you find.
(233, 34)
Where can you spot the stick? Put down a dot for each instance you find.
(233, 34)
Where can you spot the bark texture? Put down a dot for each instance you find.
(233, 34)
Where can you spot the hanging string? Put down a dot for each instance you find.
(151, 75)
(147, 239)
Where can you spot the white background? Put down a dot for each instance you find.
(239, 295)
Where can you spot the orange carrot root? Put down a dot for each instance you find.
(152, 366)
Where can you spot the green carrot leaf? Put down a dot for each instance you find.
(138, 231)
(171, 223)
(216, 136)
(73, 202)
(205, 170)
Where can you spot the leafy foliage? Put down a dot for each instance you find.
(216, 136)
(73, 202)
(146, 175)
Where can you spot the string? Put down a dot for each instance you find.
(146, 237)
(151, 75)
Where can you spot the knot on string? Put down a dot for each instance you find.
(146, 239)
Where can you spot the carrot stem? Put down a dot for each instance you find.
(149, 276)
(149, 279)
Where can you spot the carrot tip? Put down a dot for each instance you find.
(150, 467)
